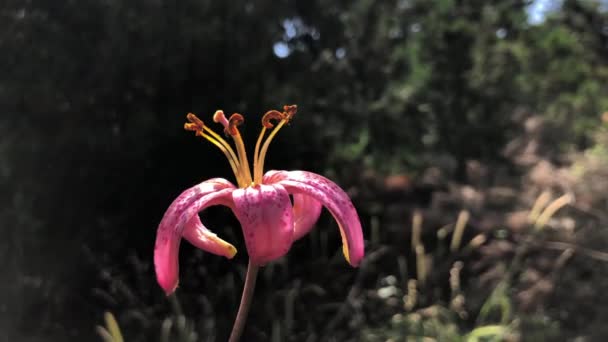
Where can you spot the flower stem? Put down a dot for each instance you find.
(241, 316)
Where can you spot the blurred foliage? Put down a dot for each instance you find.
(436, 324)
(111, 331)
(425, 314)
(569, 74)
(93, 96)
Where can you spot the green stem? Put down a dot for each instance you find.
(241, 316)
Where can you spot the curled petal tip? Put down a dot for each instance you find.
(177, 223)
(166, 264)
(230, 252)
(201, 237)
(355, 259)
(167, 282)
(170, 291)
(334, 199)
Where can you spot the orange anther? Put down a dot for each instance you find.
(290, 111)
(272, 115)
(235, 120)
(188, 126)
(195, 124)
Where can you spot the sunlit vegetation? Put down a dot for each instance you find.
(471, 139)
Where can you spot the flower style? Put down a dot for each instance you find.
(261, 203)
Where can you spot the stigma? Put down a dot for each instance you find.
(272, 121)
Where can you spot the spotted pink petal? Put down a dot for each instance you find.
(266, 218)
(171, 228)
(333, 198)
(306, 211)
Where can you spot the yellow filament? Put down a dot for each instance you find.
(221, 141)
(238, 161)
(240, 149)
(234, 163)
(257, 172)
(224, 143)
(264, 149)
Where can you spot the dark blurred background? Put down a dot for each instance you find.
(415, 107)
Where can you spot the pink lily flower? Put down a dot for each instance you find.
(261, 203)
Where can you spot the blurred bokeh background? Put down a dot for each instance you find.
(472, 136)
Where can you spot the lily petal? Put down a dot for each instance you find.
(201, 237)
(171, 227)
(333, 198)
(306, 211)
(266, 218)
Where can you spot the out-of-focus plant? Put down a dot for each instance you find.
(435, 323)
(178, 327)
(446, 320)
(567, 71)
(111, 331)
(438, 322)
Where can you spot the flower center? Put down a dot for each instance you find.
(238, 161)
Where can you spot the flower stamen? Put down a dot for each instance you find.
(266, 123)
(290, 111)
(235, 120)
(271, 115)
(260, 154)
(238, 161)
(257, 172)
(196, 125)
(230, 128)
